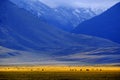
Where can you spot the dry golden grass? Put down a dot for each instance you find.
(59, 73)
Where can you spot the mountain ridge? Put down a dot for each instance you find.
(65, 18)
(105, 25)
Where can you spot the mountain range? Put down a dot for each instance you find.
(24, 39)
(106, 25)
(65, 18)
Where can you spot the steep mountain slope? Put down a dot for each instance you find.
(65, 18)
(24, 38)
(73, 16)
(106, 25)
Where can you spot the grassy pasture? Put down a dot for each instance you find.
(59, 73)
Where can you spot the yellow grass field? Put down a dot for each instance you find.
(59, 73)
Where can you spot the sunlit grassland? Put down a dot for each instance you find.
(59, 73)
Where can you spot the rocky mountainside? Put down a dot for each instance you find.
(106, 25)
(65, 18)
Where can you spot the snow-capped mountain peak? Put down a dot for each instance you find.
(63, 17)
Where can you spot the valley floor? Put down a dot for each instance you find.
(59, 73)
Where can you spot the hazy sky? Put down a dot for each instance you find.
(81, 3)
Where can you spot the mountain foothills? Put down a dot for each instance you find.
(63, 17)
(106, 25)
(24, 39)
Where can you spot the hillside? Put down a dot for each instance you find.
(26, 39)
(65, 18)
(106, 25)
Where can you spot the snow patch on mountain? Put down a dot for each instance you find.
(63, 17)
